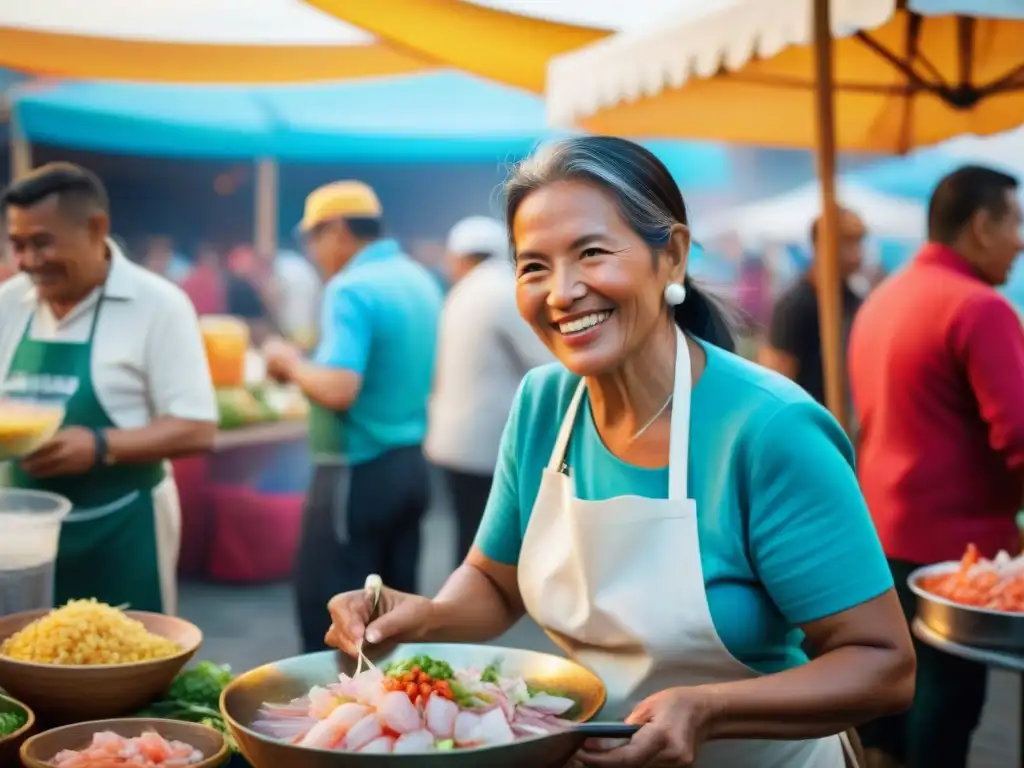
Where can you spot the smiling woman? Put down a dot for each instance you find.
(676, 518)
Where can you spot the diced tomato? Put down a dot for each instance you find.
(412, 690)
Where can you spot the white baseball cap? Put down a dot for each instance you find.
(478, 235)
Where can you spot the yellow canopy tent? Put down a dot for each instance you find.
(281, 41)
(192, 41)
(771, 74)
(506, 47)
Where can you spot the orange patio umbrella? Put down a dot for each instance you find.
(874, 75)
(507, 47)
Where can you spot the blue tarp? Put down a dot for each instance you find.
(915, 175)
(8, 78)
(437, 117)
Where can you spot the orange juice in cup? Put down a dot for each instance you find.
(226, 340)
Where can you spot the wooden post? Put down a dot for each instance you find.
(21, 148)
(830, 310)
(265, 235)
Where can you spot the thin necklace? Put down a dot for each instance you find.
(653, 419)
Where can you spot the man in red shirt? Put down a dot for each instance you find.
(936, 362)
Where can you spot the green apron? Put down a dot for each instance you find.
(326, 433)
(108, 544)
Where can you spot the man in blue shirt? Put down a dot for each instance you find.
(368, 384)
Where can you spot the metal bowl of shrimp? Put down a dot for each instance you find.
(961, 623)
(439, 705)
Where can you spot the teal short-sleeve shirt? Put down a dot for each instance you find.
(785, 535)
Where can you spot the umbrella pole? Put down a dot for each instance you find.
(830, 316)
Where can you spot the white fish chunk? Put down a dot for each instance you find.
(362, 733)
(416, 741)
(398, 713)
(467, 726)
(493, 728)
(328, 733)
(379, 746)
(321, 702)
(440, 714)
(367, 687)
(550, 705)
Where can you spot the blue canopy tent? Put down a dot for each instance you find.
(442, 117)
(448, 116)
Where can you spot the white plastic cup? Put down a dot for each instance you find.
(30, 522)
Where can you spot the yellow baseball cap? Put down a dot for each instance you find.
(340, 200)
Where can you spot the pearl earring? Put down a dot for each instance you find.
(675, 294)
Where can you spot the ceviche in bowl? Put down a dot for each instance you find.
(420, 700)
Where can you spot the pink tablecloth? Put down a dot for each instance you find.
(231, 531)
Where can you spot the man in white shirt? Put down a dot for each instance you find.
(120, 349)
(484, 350)
(299, 286)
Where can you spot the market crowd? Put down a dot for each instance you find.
(598, 436)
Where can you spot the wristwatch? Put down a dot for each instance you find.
(103, 454)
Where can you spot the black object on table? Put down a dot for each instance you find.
(990, 657)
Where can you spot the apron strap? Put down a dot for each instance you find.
(96, 312)
(565, 431)
(679, 447)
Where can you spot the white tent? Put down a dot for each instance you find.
(787, 218)
(1004, 150)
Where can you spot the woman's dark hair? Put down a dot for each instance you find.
(647, 195)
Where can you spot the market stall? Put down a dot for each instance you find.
(242, 503)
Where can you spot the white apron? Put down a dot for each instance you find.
(618, 585)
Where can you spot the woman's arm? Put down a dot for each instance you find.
(814, 547)
(863, 668)
(165, 438)
(479, 602)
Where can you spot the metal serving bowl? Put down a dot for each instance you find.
(965, 624)
(289, 679)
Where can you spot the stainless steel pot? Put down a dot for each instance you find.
(965, 624)
(291, 678)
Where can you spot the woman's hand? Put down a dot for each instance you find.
(400, 617)
(674, 724)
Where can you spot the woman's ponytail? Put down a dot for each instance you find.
(704, 317)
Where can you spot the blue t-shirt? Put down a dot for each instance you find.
(785, 536)
(379, 319)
